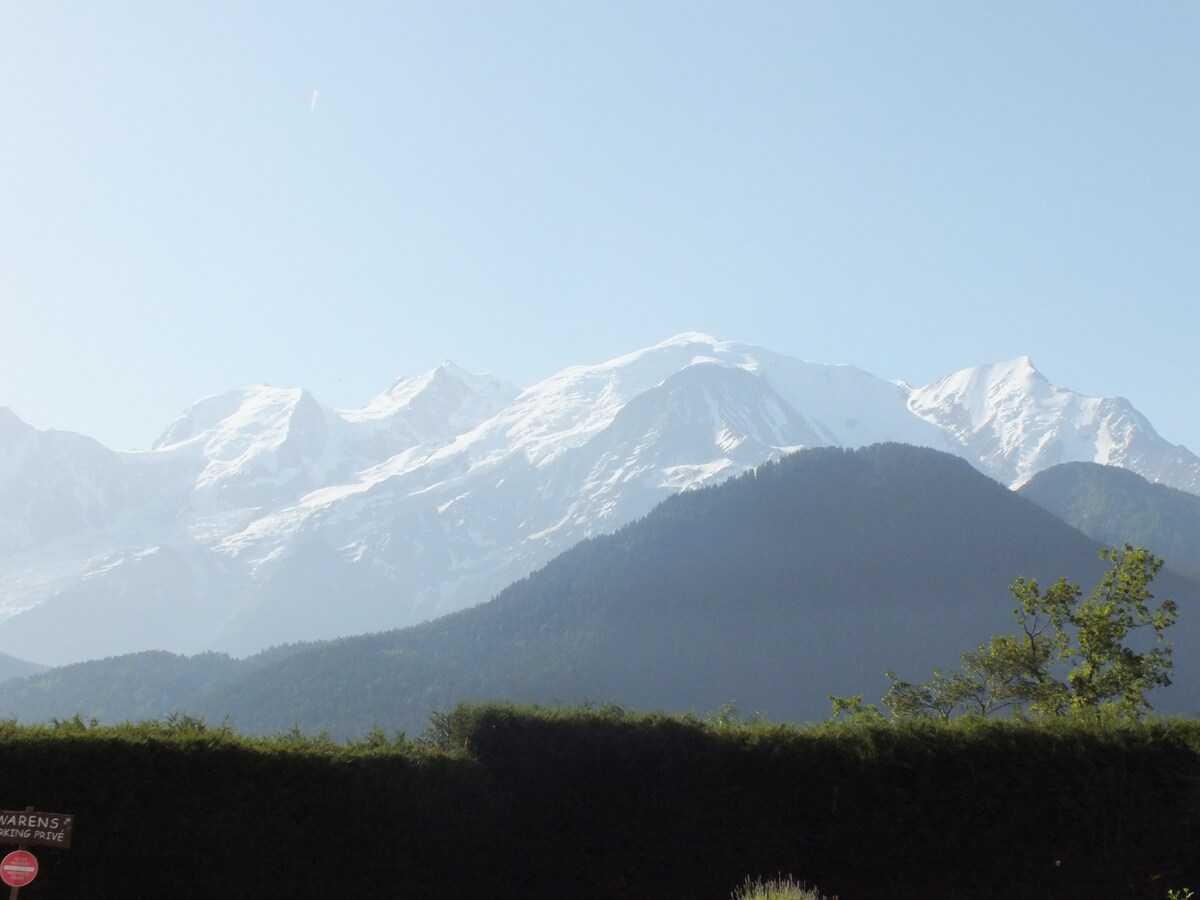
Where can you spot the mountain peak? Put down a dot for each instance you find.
(1020, 368)
(1015, 422)
(690, 337)
(247, 409)
(454, 387)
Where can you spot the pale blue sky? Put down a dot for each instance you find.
(912, 188)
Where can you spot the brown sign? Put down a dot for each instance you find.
(28, 827)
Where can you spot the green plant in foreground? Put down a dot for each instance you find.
(778, 889)
(1068, 657)
(1181, 894)
(853, 710)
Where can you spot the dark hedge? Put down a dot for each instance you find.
(525, 802)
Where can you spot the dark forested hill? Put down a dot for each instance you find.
(1116, 505)
(810, 576)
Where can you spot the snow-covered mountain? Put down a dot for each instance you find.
(261, 516)
(1012, 423)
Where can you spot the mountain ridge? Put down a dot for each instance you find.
(445, 487)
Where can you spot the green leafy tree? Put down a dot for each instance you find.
(1070, 655)
(851, 709)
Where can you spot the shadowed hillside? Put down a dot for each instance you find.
(1114, 505)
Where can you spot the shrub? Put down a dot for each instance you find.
(776, 889)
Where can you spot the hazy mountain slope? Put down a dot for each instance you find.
(809, 577)
(57, 487)
(1115, 505)
(262, 516)
(11, 667)
(122, 549)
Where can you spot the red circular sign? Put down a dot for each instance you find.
(18, 868)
